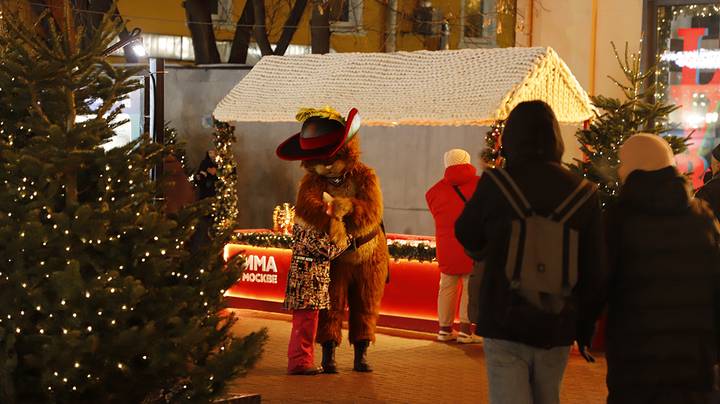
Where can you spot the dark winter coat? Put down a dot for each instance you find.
(446, 205)
(484, 229)
(204, 180)
(710, 192)
(663, 312)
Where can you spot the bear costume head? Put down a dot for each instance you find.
(326, 145)
(344, 160)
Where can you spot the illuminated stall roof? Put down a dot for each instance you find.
(457, 87)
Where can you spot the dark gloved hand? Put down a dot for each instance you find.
(707, 176)
(585, 354)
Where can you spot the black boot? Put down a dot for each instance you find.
(328, 357)
(360, 364)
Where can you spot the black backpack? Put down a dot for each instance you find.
(542, 260)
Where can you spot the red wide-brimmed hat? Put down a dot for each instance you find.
(323, 133)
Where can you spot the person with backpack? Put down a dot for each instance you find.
(446, 199)
(663, 320)
(539, 230)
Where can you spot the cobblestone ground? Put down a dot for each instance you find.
(409, 368)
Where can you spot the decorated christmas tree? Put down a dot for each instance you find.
(491, 153)
(103, 298)
(176, 147)
(617, 119)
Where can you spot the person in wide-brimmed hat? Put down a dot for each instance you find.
(323, 133)
(337, 186)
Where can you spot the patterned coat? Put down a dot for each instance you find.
(309, 275)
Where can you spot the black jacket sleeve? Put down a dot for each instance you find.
(710, 193)
(716, 280)
(469, 226)
(592, 273)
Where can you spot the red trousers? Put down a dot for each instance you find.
(301, 348)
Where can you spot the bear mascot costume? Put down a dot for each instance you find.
(338, 185)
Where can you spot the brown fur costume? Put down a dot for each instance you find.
(357, 278)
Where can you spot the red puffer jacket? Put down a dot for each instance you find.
(445, 205)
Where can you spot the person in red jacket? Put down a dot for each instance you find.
(446, 200)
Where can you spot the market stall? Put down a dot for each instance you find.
(476, 87)
(407, 302)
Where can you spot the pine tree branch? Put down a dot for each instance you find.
(35, 101)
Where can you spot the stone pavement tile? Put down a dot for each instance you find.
(409, 368)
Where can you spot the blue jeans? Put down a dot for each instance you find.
(522, 374)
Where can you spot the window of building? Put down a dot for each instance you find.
(686, 44)
(176, 47)
(221, 12)
(346, 15)
(479, 23)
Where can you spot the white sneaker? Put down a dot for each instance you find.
(463, 338)
(445, 336)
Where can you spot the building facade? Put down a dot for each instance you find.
(682, 35)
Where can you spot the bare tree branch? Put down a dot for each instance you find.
(89, 15)
(320, 27)
(259, 29)
(202, 32)
(243, 33)
(290, 26)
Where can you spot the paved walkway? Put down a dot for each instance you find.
(409, 368)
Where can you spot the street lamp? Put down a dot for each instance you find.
(134, 39)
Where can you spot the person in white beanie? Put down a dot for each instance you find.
(644, 152)
(446, 200)
(663, 318)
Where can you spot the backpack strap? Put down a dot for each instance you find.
(511, 191)
(574, 201)
(460, 194)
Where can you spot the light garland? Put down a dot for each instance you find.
(413, 250)
(493, 144)
(225, 204)
(176, 147)
(283, 218)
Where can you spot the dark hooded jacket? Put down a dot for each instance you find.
(662, 327)
(533, 160)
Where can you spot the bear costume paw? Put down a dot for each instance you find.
(341, 207)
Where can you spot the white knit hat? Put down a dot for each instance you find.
(645, 152)
(455, 157)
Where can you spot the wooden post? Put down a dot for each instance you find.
(157, 100)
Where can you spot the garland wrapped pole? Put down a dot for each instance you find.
(225, 204)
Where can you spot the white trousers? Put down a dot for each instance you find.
(448, 302)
